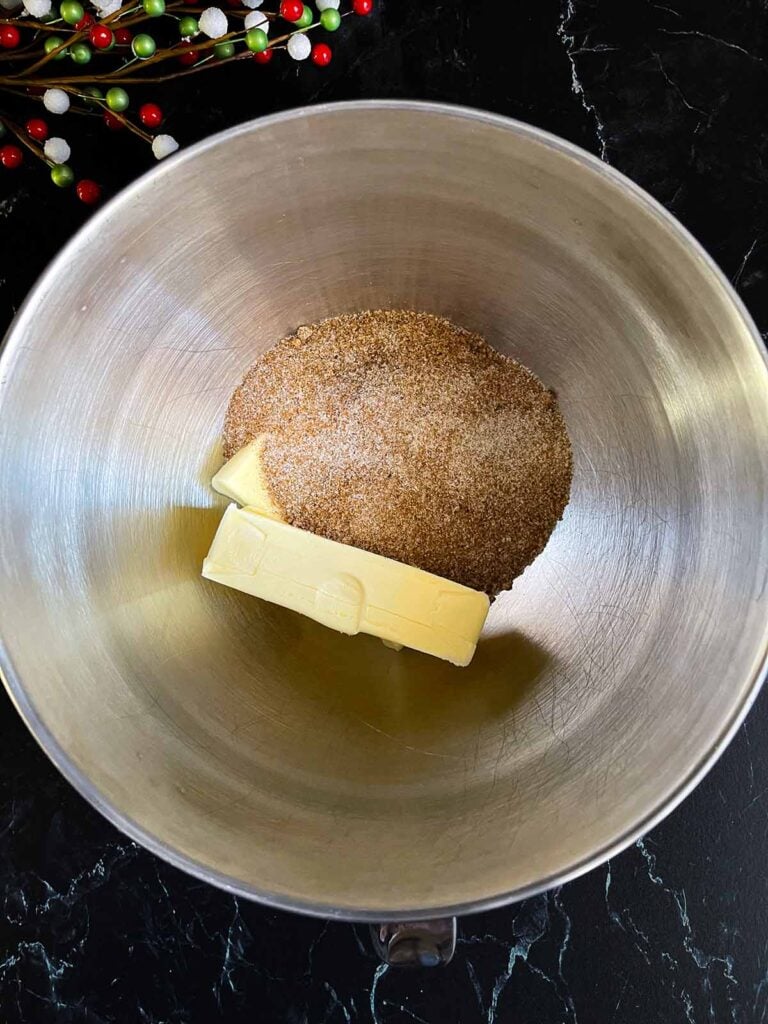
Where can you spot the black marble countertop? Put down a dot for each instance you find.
(94, 930)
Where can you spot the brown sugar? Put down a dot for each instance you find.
(403, 434)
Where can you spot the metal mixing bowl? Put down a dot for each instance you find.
(326, 774)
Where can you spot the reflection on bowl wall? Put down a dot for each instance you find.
(330, 774)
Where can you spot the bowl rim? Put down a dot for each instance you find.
(86, 788)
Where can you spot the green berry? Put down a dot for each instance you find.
(71, 11)
(117, 99)
(154, 8)
(306, 18)
(256, 40)
(143, 45)
(330, 19)
(62, 175)
(51, 43)
(92, 94)
(224, 50)
(80, 53)
(188, 26)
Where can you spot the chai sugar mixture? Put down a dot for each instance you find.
(403, 434)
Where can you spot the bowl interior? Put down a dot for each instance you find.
(273, 755)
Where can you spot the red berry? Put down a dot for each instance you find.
(9, 37)
(234, 3)
(321, 55)
(88, 191)
(190, 57)
(291, 10)
(123, 36)
(113, 123)
(85, 22)
(362, 6)
(37, 129)
(151, 115)
(101, 37)
(264, 57)
(11, 156)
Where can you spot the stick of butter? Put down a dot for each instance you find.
(242, 479)
(344, 587)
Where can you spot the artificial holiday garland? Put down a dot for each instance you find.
(112, 48)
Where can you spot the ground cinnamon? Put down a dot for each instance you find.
(401, 433)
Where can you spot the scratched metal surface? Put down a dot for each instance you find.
(673, 930)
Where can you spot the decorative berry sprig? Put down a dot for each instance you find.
(37, 40)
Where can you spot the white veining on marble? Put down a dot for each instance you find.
(569, 42)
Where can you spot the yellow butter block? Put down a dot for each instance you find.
(242, 479)
(346, 588)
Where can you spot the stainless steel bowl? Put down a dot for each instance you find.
(271, 756)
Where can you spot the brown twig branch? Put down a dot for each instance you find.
(25, 140)
(124, 75)
(144, 136)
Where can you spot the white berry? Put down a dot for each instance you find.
(327, 5)
(252, 4)
(163, 146)
(10, 5)
(56, 101)
(257, 19)
(299, 46)
(38, 8)
(107, 7)
(213, 22)
(57, 151)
